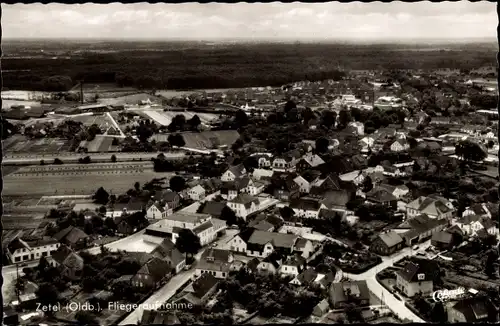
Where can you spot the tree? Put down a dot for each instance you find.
(42, 162)
(328, 118)
(367, 184)
(137, 186)
(47, 294)
(101, 196)
(43, 264)
(57, 161)
(177, 183)
(286, 212)
(228, 215)
(113, 158)
(470, 151)
(344, 118)
(438, 313)
(194, 122)
(289, 105)
(176, 140)
(241, 118)
(188, 242)
(489, 266)
(250, 163)
(322, 145)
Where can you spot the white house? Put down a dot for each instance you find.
(399, 145)
(244, 205)
(305, 207)
(366, 143)
(235, 171)
(471, 224)
(197, 193)
(356, 177)
(432, 206)
(157, 211)
(293, 266)
(304, 185)
(359, 126)
(215, 261)
(19, 250)
(262, 173)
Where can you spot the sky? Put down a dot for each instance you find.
(287, 21)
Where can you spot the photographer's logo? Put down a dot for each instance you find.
(445, 295)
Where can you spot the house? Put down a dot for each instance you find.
(284, 187)
(133, 206)
(265, 222)
(167, 251)
(387, 243)
(231, 189)
(336, 200)
(199, 291)
(433, 206)
(321, 308)
(181, 220)
(157, 210)
(397, 191)
(358, 126)
(212, 208)
(417, 277)
(244, 205)
(123, 226)
(156, 317)
(420, 228)
(196, 193)
(260, 174)
(72, 237)
(309, 161)
(304, 247)
(239, 242)
(357, 177)
(304, 182)
(270, 264)
(216, 262)
(442, 240)
(393, 171)
(205, 232)
(235, 171)
(366, 143)
(262, 244)
(471, 224)
(473, 310)
(264, 160)
(19, 250)
(293, 266)
(287, 161)
(69, 263)
(170, 198)
(399, 145)
(310, 276)
(481, 209)
(252, 264)
(354, 292)
(383, 197)
(152, 274)
(306, 207)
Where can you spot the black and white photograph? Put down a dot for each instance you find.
(250, 163)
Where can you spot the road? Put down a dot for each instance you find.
(168, 290)
(70, 157)
(122, 135)
(397, 306)
(9, 275)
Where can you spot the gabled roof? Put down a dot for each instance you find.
(340, 292)
(475, 309)
(156, 268)
(200, 228)
(214, 254)
(237, 170)
(308, 276)
(430, 205)
(305, 203)
(390, 238)
(212, 208)
(198, 189)
(380, 195)
(279, 240)
(419, 225)
(428, 268)
(70, 234)
(295, 260)
(167, 249)
(327, 214)
(312, 160)
(245, 199)
(442, 237)
(336, 198)
(202, 285)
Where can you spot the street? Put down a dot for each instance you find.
(397, 306)
(9, 274)
(168, 290)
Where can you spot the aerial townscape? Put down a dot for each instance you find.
(224, 183)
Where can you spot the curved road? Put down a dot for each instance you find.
(397, 306)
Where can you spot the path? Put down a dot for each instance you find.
(397, 306)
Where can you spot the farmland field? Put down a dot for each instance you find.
(6, 104)
(130, 99)
(164, 118)
(21, 144)
(77, 179)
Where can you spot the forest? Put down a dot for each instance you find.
(191, 66)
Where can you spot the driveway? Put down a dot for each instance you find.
(397, 306)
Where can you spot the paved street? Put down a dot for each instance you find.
(397, 306)
(169, 289)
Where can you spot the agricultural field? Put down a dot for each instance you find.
(77, 179)
(21, 144)
(7, 104)
(164, 118)
(104, 90)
